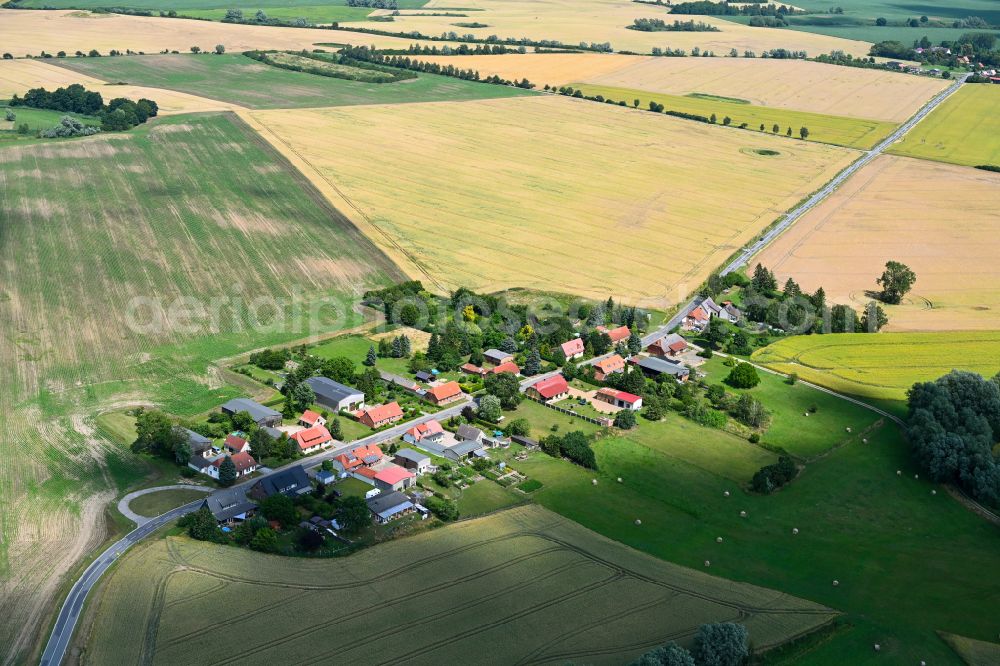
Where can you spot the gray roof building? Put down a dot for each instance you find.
(291, 482)
(496, 357)
(335, 395)
(462, 450)
(387, 505)
(413, 456)
(657, 366)
(470, 433)
(263, 416)
(228, 504)
(198, 443)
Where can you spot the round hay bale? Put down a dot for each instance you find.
(638, 522)
(725, 494)
(899, 472)
(933, 492)
(864, 440)
(836, 583)
(718, 539)
(743, 514)
(795, 530)
(707, 563)
(848, 428)
(619, 479)
(877, 647)
(806, 414)
(594, 481)
(916, 476)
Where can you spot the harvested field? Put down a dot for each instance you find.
(574, 21)
(498, 193)
(838, 130)
(798, 85)
(18, 76)
(885, 365)
(29, 32)
(429, 599)
(963, 130)
(239, 80)
(941, 220)
(173, 214)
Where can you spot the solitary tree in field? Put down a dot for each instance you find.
(775, 129)
(788, 132)
(896, 280)
(625, 419)
(196, 49)
(762, 128)
(260, 16)
(10, 116)
(804, 132)
(712, 118)
(219, 49)
(743, 376)
(635, 104)
(726, 121)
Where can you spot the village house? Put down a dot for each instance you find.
(497, 357)
(472, 369)
(573, 349)
(444, 393)
(262, 416)
(387, 507)
(310, 418)
(382, 415)
(393, 477)
(619, 398)
(201, 446)
(416, 462)
(313, 439)
(431, 432)
(336, 396)
(244, 462)
(654, 367)
(229, 506)
(464, 451)
(424, 376)
(549, 389)
(617, 334)
(510, 367)
(236, 444)
(362, 456)
(608, 366)
(289, 482)
(671, 345)
(697, 319)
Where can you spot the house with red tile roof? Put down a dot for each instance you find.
(616, 334)
(509, 366)
(382, 415)
(697, 319)
(313, 439)
(619, 398)
(444, 393)
(573, 348)
(245, 464)
(549, 389)
(393, 477)
(362, 456)
(310, 418)
(608, 366)
(431, 431)
(473, 369)
(236, 444)
(670, 345)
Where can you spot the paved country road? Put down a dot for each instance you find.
(62, 633)
(72, 608)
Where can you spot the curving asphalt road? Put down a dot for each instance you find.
(125, 510)
(69, 614)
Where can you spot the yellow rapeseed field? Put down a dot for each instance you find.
(29, 32)
(941, 220)
(18, 76)
(573, 21)
(550, 193)
(433, 598)
(797, 85)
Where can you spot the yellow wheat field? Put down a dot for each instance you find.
(550, 192)
(573, 21)
(941, 220)
(785, 84)
(29, 32)
(18, 76)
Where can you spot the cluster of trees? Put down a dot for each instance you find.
(461, 49)
(271, 359)
(365, 54)
(721, 644)
(659, 25)
(356, 72)
(953, 427)
(451, 36)
(399, 347)
(771, 477)
(978, 45)
(375, 4)
(709, 8)
(261, 18)
(573, 445)
(118, 115)
(69, 127)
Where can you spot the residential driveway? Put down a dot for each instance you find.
(598, 405)
(142, 520)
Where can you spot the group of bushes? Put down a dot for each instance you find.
(721, 644)
(363, 71)
(659, 25)
(771, 477)
(573, 445)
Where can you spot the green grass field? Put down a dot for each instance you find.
(156, 503)
(175, 213)
(891, 9)
(486, 496)
(237, 79)
(442, 596)
(882, 366)
(35, 119)
(964, 130)
(316, 11)
(850, 132)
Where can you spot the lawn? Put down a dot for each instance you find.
(882, 366)
(965, 129)
(484, 497)
(351, 487)
(838, 130)
(436, 597)
(156, 503)
(118, 240)
(802, 436)
(552, 228)
(238, 79)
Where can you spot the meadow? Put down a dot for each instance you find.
(939, 219)
(156, 503)
(837, 130)
(489, 195)
(174, 213)
(882, 366)
(237, 79)
(436, 597)
(965, 129)
(796, 85)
